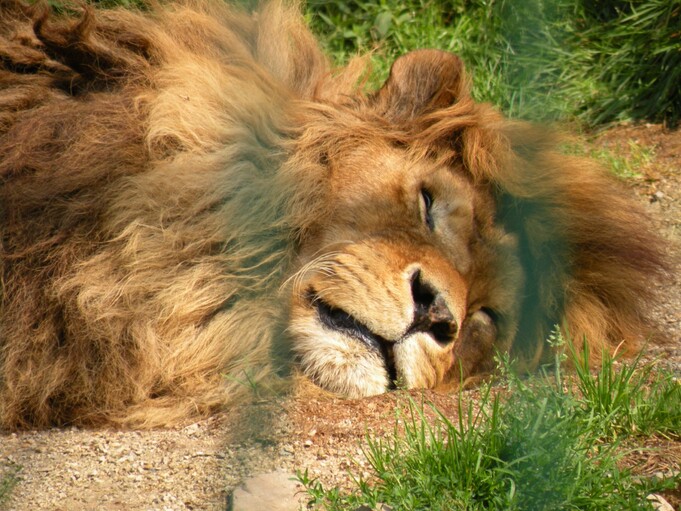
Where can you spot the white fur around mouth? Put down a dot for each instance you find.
(337, 319)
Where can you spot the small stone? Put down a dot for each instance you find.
(192, 429)
(275, 491)
(657, 196)
(659, 502)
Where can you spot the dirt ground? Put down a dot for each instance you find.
(195, 467)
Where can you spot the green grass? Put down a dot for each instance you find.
(549, 442)
(633, 400)
(624, 162)
(9, 477)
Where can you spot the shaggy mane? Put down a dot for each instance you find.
(125, 138)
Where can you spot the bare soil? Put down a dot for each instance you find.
(195, 467)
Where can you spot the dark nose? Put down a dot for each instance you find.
(431, 314)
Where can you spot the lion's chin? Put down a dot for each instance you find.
(344, 357)
(338, 361)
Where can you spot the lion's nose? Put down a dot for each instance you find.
(431, 313)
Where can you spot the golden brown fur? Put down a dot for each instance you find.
(186, 190)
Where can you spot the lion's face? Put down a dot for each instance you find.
(383, 298)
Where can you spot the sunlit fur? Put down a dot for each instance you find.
(174, 183)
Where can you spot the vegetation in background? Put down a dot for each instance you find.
(548, 442)
(626, 162)
(594, 61)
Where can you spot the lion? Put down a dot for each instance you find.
(191, 198)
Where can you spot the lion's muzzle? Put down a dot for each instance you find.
(394, 324)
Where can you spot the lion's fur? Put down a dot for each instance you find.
(158, 172)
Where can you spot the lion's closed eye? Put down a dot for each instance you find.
(426, 208)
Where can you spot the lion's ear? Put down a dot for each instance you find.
(420, 82)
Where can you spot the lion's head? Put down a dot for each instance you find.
(448, 235)
(184, 192)
(398, 275)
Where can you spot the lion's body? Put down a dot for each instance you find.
(164, 196)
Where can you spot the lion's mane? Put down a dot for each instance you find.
(155, 185)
